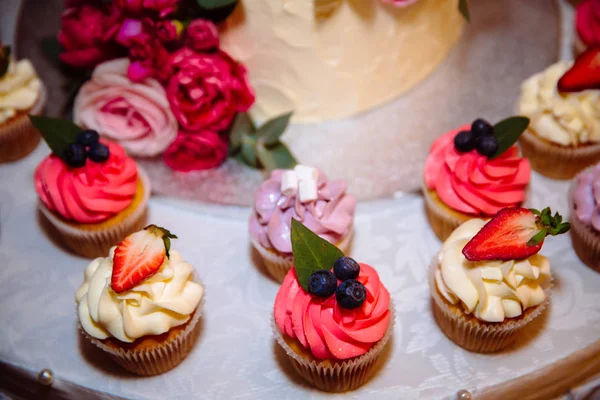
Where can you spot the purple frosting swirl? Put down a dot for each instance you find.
(586, 197)
(330, 216)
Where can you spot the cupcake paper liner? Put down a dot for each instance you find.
(19, 137)
(556, 161)
(97, 243)
(442, 219)
(471, 333)
(160, 358)
(585, 239)
(337, 376)
(278, 265)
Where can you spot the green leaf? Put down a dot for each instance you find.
(242, 126)
(272, 130)
(463, 7)
(537, 238)
(311, 252)
(275, 157)
(58, 133)
(4, 59)
(212, 4)
(249, 151)
(508, 131)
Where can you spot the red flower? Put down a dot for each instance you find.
(138, 7)
(192, 151)
(202, 35)
(207, 90)
(86, 34)
(149, 58)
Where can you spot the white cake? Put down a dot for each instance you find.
(331, 59)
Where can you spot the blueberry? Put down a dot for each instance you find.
(480, 127)
(87, 138)
(322, 283)
(346, 268)
(487, 146)
(75, 155)
(351, 294)
(98, 152)
(464, 141)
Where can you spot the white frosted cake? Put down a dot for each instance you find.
(331, 59)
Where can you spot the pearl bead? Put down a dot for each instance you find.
(463, 395)
(45, 377)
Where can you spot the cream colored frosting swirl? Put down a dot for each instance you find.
(490, 290)
(19, 89)
(165, 300)
(567, 119)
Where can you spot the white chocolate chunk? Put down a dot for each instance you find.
(307, 191)
(306, 173)
(289, 183)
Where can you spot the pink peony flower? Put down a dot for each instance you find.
(136, 115)
(202, 35)
(139, 7)
(86, 34)
(149, 58)
(207, 90)
(400, 3)
(196, 151)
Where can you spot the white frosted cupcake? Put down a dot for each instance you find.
(142, 303)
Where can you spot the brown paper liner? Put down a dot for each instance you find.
(18, 137)
(336, 376)
(161, 355)
(471, 333)
(443, 219)
(554, 161)
(585, 239)
(95, 240)
(278, 265)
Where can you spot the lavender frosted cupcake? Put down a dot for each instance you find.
(305, 194)
(585, 216)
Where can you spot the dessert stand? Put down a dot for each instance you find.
(236, 356)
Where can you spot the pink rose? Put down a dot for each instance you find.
(138, 7)
(195, 151)
(207, 90)
(202, 35)
(587, 22)
(86, 34)
(399, 3)
(136, 115)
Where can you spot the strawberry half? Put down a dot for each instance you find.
(139, 256)
(584, 74)
(514, 233)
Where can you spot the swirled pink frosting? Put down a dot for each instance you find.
(328, 330)
(91, 193)
(586, 197)
(587, 22)
(330, 216)
(473, 184)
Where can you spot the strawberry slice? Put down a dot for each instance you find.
(584, 74)
(139, 256)
(514, 233)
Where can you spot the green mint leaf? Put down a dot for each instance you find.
(212, 4)
(463, 7)
(537, 238)
(242, 126)
(275, 157)
(58, 133)
(508, 131)
(272, 130)
(249, 151)
(311, 252)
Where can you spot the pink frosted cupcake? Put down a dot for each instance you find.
(585, 216)
(464, 179)
(587, 26)
(305, 194)
(93, 196)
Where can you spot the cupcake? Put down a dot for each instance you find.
(489, 282)
(332, 325)
(564, 135)
(587, 26)
(142, 303)
(305, 194)
(21, 93)
(585, 216)
(474, 171)
(91, 193)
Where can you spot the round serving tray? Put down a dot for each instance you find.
(379, 152)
